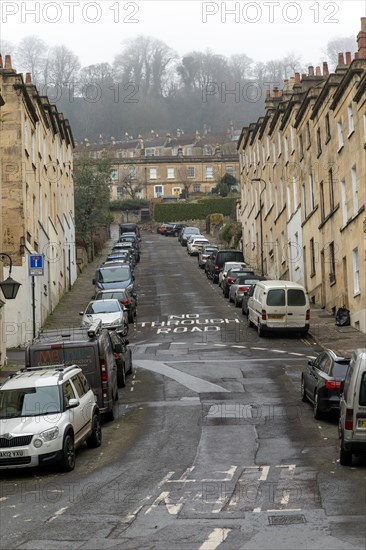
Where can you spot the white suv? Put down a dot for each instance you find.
(45, 413)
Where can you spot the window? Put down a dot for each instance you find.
(270, 198)
(344, 202)
(196, 188)
(276, 201)
(292, 135)
(68, 392)
(114, 174)
(78, 385)
(153, 173)
(120, 192)
(364, 128)
(296, 297)
(311, 192)
(276, 297)
(25, 134)
(170, 173)
(176, 191)
(230, 170)
(158, 191)
(149, 152)
(190, 172)
(132, 172)
(279, 144)
(332, 263)
(354, 190)
(294, 186)
(288, 202)
(189, 151)
(319, 141)
(322, 207)
(301, 145)
(356, 272)
(274, 152)
(340, 135)
(286, 149)
(174, 151)
(351, 126)
(327, 127)
(33, 147)
(312, 257)
(331, 190)
(283, 249)
(268, 148)
(308, 138)
(282, 193)
(209, 172)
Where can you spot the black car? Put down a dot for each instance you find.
(126, 297)
(205, 253)
(231, 277)
(123, 357)
(186, 232)
(216, 261)
(321, 381)
(173, 229)
(113, 276)
(130, 228)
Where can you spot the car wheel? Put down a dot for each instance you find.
(121, 377)
(215, 279)
(260, 330)
(316, 410)
(302, 390)
(249, 322)
(345, 457)
(230, 298)
(95, 439)
(236, 303)
(226, 293)
(68, 453)
(109, 416)
(124, 332)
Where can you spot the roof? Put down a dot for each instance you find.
(36, 377)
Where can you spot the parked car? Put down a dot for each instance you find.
(129, 247)
(123, 357)
(173, 229)
(119, 256)
(126, 297)
(321, 381)
(90, 349)
(163, 228)
(186, 232)
(204, 254)
(134, 241)
(352, 421)
(245, 298)
(240, 287)
(113, 276)
(216, 262)
(279, 306)
(111, 313)
(45, 415)
(130, 228)
(196, 244)
(231, 278)
(227, 266)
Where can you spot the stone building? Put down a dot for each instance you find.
(304, 161)
(167, 166)
(37, 201)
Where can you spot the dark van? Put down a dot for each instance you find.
(129, 228)
(216, 262)
(90, 349)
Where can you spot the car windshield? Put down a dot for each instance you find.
(192, 231)
(244, 281)
(114, 274)
(209, 250)
(102, 307)
(22, 402)
(111, 295)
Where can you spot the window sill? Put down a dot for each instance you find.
(327, 140)
(350, 133)
(268, 212)
(340, 148)
(319, 154)
(328, 217)
(280, 212)
(356, 294)
(309, 215)
(312, 274)
(353, 218)
(332, 283)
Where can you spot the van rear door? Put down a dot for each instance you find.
(296, 308)
(359, 405)
(276, 308)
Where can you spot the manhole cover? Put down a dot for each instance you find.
(286, 520)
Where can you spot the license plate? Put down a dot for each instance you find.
(361, 424)
(274, 316)
(11, 454)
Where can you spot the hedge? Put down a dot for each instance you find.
(180, 211)
(129, 204)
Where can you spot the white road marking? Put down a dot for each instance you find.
(193, 383)
(284, 510)
(178, 343)
(3, 498)
(256, 510)
(264, 474)
(173, 509)
(230, 473)
(221, 345)
(58, 513)
(241, 347)
(215, 538)
(285, 499)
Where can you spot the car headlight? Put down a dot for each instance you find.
(49, 435)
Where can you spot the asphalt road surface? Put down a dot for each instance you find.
(212, 446)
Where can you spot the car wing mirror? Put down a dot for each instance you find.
(81, 313)
(73, 402)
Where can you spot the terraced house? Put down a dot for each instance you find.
(168, 166)
(37, 199)
(303, 184)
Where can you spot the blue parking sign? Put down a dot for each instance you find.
(36, 264)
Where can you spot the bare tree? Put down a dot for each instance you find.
(63, 67)
(31, 54)
(130, 183)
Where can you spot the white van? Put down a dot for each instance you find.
(352, 421)
(279, 306)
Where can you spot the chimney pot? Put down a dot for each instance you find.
(297, 78)
(340, 59)
(325, 69)
(28, 78)
(348, 58)
(311, 70)
(318, 71)
(8, 62)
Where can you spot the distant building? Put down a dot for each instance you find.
(308, 153)
(37, 215)
(167, 166)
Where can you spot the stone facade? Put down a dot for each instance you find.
(36, 150)
(304, 161)
(167, 166)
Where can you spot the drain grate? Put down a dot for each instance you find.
(286, 520)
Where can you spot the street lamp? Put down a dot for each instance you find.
(261, 219)
(9, 286)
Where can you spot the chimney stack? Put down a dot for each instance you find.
(8, 62)
(361, 40)
(28, 78)
(317, 71)
(325, 69)
(348, 58)
(340, 59)
(311, 70)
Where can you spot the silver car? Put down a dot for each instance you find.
(240, 288)
(111, 313)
